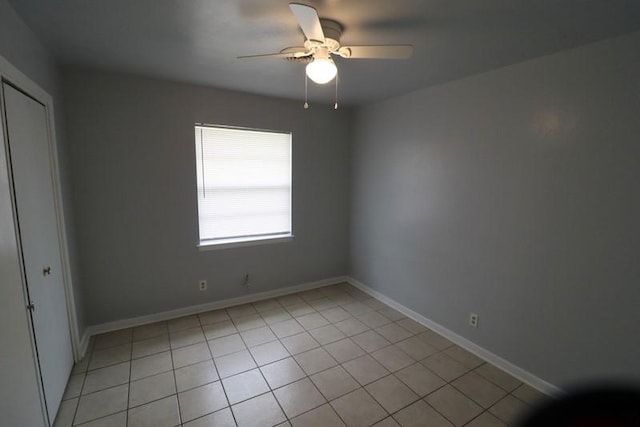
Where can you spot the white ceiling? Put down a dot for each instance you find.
(197, 41)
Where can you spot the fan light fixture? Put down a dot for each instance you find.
(322, 69)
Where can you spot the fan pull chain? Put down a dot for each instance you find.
(306, 80)
(335, 105)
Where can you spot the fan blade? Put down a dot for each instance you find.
(289, 52)
(308, 21)
(403, 51)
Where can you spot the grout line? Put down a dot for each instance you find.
(215, 366)
(173, 370)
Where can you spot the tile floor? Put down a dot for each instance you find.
(327, 357)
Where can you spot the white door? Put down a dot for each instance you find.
(30, 160)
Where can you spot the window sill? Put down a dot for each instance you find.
(238, 243)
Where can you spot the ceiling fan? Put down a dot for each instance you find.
(323, 40)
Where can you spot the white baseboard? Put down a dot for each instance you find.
(200, 308)
(517, 372)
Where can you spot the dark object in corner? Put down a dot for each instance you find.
(608, 406)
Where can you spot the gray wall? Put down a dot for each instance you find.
(22, 48)
(512, 194)
(131, 144)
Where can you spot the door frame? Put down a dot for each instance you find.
(14, 76)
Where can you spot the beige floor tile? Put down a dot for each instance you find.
(269, 352)
(110, 356)
(374, 303)
(412, 326)
(498, 377)
(161, 413)
(391, 393)
(351, 326)
(436, 340)
(420, 379)
(392, 358)
(344, 350)
(150, 346)
(420, 414)
(275, 316)
(74, 386)
(286, 328)
(110, 376)
(327, 334)
(151, 388)
(258, 336)
(464, 357)
(82, 365)
(242, 310)
(373, 319)
(185, 322)
(312, 320)
(387, 422)
(370, 341)
(289, 300)
(214, 316)
(195, 375)
(394, 332)
(266, 305)
(202, 400)
(299, 343)
(356, 308)
(249, 322)
(334, 382)
(282, 372)
(299, 397)
(113, 339)
(315, 360)
(529, 395)
(322, 303)
(358, 409)
(115, 420)
(444, 366)
(226, 345)
(102, 403)
(480, 390)
(258, 412)
(323, 416)
(151, 330)
(151, 365)
(391, 314)
(365, 369)
(185, 337)
(311, 295)
(191, 354)
(66, 412)
(510, 410)
(335, 314)
(455, 406)
(244, 386)
(219, 329)
(300, 309)
(486, 420)
(221, 418)
(416, 348)
(343, 298)
(234, 363)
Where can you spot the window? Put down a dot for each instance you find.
(244, 185)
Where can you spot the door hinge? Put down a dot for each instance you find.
(31, 307)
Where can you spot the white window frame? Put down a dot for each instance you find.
(250, 240)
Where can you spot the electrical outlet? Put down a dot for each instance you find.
(473, 320)
(202, 284)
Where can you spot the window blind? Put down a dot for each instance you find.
(244, 184)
